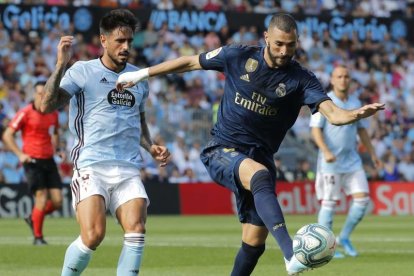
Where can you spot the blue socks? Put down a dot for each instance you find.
(355, 215)
(246, 259)
(131, 255)
(76, 258)
(268, 208)
(326, 213)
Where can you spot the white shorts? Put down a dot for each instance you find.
(328, 186)
(116, 184)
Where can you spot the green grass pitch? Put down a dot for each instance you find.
(204, 245)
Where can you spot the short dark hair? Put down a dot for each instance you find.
(118, 18)
(39, 83)
(284, 22)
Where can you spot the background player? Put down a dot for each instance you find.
(339, 164)
(106, 155)
(264, 92)
(40, 139)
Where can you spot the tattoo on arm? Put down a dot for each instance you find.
(145, 141)
(54, 96)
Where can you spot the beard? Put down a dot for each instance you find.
(118, 60)
(278, 61)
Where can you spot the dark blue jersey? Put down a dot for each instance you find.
(260, 104)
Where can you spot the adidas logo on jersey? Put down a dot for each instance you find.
(245, 77)
(103, 80)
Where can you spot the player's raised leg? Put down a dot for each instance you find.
(256, 178)
(91, 215)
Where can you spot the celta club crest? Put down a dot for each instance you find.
(281, 90)
(251, 65)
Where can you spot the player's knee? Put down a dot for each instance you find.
(137, 228)
(261, 182)
(93, 238)
(57, 204)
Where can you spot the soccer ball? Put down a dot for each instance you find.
(314, 245)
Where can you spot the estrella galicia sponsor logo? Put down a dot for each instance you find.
(124, 98)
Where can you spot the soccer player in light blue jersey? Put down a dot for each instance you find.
(109, 127)
(339, 164)
(263, 94)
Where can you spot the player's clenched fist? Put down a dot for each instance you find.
(64, 49)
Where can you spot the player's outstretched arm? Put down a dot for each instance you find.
(55, 96)
(339, 116)
(178, 65)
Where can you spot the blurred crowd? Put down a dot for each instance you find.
(377, 8)
(181, 108)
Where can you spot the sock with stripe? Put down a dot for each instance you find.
(326, 213)
(131, 254)
(76, 258)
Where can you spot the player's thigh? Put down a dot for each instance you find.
(328, 186)
(356, 183)
(132, 215)
(222, 163)
(254, 235)
(91, 215)
(55, 195)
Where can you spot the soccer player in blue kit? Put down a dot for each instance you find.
(109, 127)
(339, 164)
(264, 91)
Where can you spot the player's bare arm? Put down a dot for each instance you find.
(159, 153)
(9, 141)
(338, 116)
(317, 135)
(366, 141)
(179, 65)
(55, 96)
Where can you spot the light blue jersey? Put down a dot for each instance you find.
(106, 123)
(341, 140)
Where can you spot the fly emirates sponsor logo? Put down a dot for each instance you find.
(257, 104)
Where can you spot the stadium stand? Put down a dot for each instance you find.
(382, 71)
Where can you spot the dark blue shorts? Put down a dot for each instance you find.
(222, 163)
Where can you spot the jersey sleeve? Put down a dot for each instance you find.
(317, 120)
(18, 120)
(214, 60)
(74, 79)
(314, 93)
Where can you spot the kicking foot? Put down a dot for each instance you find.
(347, 245)
(294, 267)
(39, 241)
